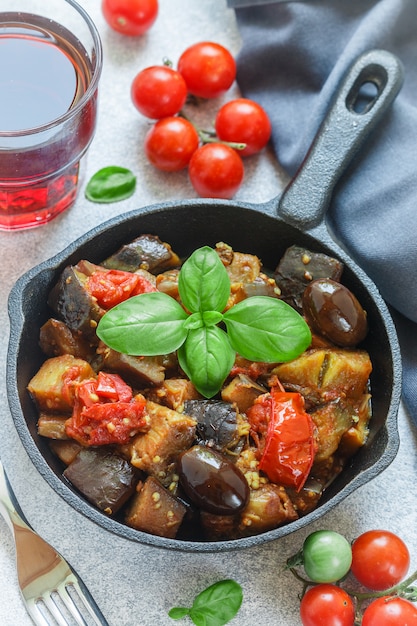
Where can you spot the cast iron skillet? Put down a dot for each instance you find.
(265, 230)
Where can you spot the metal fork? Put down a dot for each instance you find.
(52, 592)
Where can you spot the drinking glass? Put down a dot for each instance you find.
(50, 65)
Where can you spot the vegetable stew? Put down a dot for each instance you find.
(167, 455)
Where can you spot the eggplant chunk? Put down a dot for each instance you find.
(146, 252)
(242, 391)
(72, 303)
(173, 393)
(52, 426)
(217, 423)
(155, 452)
(326, 375)
(167, 282)
(269, 506)
(241, 267)
(56, 338)
(308, 497)
(65, 449)
(49, 387)
(298, 267)
(103, 477)
(154, 510)
(139, 371)
(332, 421)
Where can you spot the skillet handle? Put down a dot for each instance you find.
(307, 196)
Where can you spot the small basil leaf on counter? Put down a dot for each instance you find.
(111, 184)
(203, 283)
(215, 606)
(146, 325)
(266, 329)
(178, 612)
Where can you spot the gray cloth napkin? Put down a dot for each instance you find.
(293, 55)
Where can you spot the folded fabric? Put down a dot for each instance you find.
(293, 56)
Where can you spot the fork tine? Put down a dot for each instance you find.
(80, 597)
(35, 614)
(49, 603)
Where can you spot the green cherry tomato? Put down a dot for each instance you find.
(327, 556)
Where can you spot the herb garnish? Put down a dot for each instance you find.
(215, 606)
(259, 328)
(110, 184)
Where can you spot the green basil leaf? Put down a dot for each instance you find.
(206, 357)
(203, 283)
(266, 329)
(147, 325)
(219, 603)
(178, 612)
(210, 318)
(111, 184)
(194, 321)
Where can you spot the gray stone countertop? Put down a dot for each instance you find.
(134, 584)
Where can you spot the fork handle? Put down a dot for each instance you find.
(7, 507)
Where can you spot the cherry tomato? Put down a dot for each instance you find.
(170, 143)
(327, 556)
(130, 17)
(216, 171)
(327, 605)
(208, 69)
(390, 611)
(380, 559)
(243, 121)
(158, 91)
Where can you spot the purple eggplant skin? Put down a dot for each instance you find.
(103, 477)
(216, 423)
(145, 252)
(71, 302)
(298, 267)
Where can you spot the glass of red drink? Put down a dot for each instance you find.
(50, 65)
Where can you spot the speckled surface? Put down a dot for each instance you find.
(135, 585)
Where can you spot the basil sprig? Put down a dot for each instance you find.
(111, 184)
(259, 328)
(215, 606)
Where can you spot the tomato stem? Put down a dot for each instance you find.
(209, 136)
(400, 590)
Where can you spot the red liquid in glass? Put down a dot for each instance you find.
(43, 75)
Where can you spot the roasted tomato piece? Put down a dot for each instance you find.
(110, 287)
(105, 412)
(288, 447)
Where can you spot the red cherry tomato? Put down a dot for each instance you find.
(170, 143)
(208, 69)
(216, 171)
(390, 611)
(130, 17)
(158, 91)
(244, 121)
(380, 559)
(327, 605)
